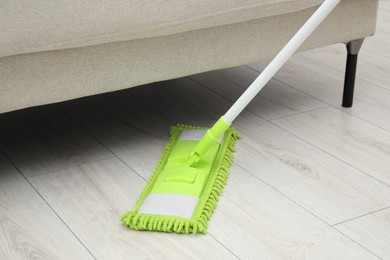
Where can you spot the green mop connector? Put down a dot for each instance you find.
(210, 138)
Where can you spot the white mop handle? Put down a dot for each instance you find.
(280, 59)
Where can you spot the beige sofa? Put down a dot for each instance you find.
(55, 50)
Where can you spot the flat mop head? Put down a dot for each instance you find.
(181, 198)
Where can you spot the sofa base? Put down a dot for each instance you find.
(47, 77)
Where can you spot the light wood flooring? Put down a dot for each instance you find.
(310, 180)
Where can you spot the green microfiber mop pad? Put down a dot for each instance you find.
(181, 198)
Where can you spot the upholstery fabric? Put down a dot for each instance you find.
(39, 25)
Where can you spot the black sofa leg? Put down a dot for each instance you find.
(353, 49)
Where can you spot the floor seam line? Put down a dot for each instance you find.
(343, 71)
(361, 216)
(57, 171)
(50, 207)
(100, 142)
(270, 121)
(335, 157)
(308, 211)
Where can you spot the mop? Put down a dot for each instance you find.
(184, 190)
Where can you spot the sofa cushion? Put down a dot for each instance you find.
(40, 25)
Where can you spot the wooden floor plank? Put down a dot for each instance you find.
(383, 23)
(275, 100)
(373, 62)
(127, 128)
(368, 62)
(90, 198)
(197, 105)
(256, 222)
(336, 189)
(324, 83)
(350, 139)
(371, 231)
(42, 139)
(29, 229)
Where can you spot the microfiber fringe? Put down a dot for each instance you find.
(197, 224)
